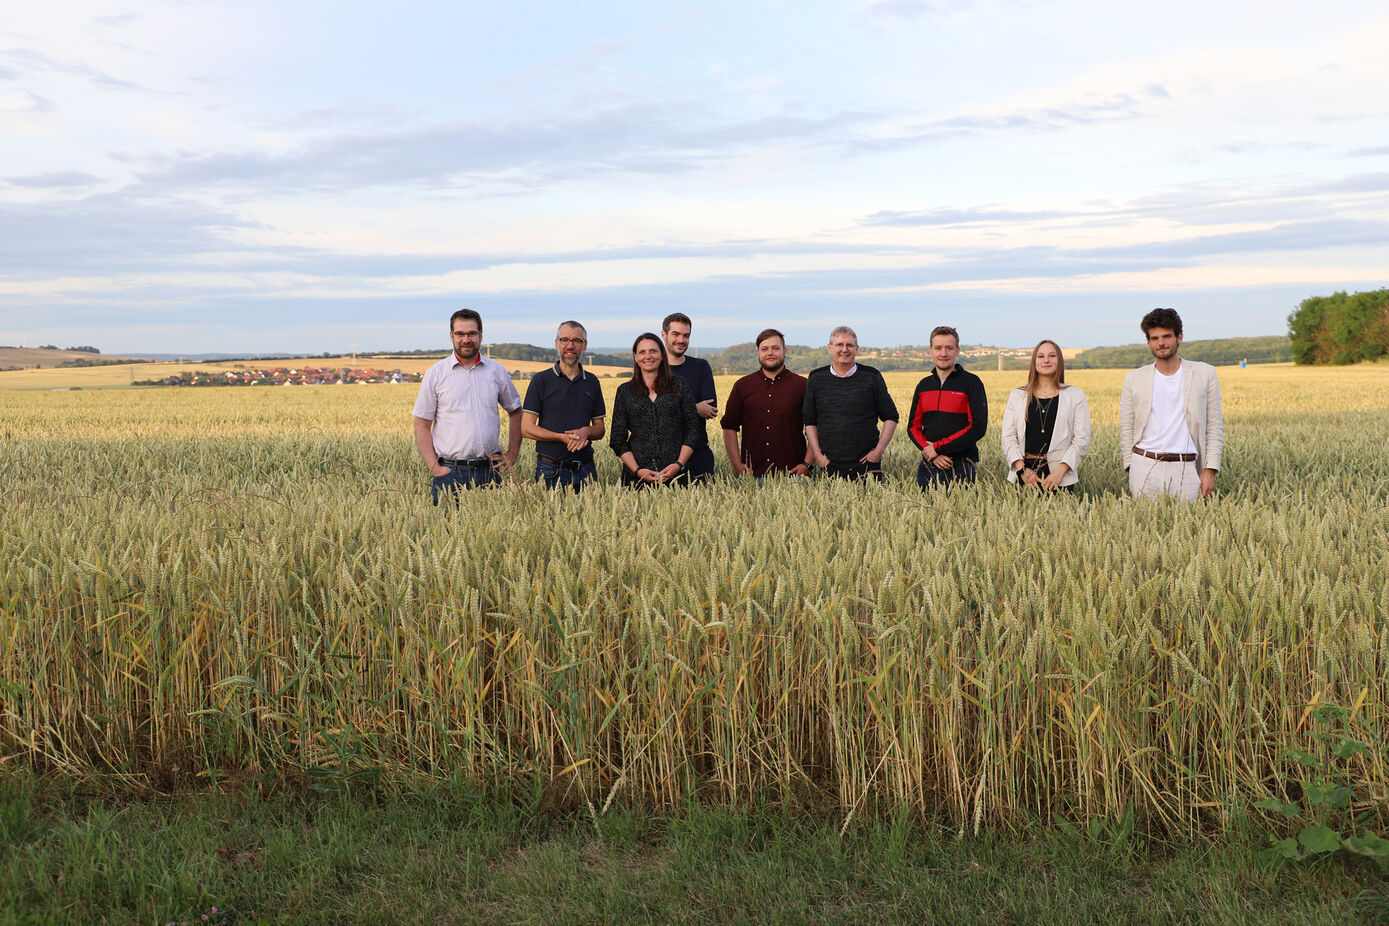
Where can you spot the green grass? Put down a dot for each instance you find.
(450, 855)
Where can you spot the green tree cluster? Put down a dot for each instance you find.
(1341, 328)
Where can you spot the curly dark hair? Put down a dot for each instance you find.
(1162, 318)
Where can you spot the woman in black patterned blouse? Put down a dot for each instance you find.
(654, 422)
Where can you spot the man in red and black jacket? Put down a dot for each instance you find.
(949, 415)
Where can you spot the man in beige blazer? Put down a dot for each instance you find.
(1171, 431)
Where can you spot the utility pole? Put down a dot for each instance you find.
(354, 351)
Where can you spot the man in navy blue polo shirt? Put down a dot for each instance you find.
(699, 376)
(563, 413)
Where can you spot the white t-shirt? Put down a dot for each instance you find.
(1166, 430)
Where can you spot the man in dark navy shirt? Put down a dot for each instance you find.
(699, 376)
(563, 413)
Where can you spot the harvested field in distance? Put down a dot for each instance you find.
(124, 375)
(255, 580)
(41, 357)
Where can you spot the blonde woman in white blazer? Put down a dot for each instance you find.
(1046, 425)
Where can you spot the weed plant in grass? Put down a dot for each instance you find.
(197, 583)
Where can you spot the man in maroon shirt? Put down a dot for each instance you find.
(766, 406)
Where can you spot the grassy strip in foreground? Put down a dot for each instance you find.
(451, 856)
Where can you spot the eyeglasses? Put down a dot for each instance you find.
(571, 342)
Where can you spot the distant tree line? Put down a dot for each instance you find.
(547, 355)
(742, 358)
(101, 362)
(510, 351)
(1220, 351)
(84, 348)
(1341, 328)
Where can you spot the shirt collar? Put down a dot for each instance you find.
(560, 373)
(852, 370)
(468, 366)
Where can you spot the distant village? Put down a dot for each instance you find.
(284, 376)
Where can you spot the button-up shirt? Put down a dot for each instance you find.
(769, 413)
(462, 402)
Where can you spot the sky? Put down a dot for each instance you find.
(258, 176)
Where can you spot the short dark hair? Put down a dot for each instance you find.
(680, 317)
(571, 324)
(768, 333)
(466, 315)
(1162, 318)
(944, 329)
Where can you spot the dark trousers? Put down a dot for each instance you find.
(1043, 471)
(928, 474)
(701, 464)
(856, 470)
(630, 480)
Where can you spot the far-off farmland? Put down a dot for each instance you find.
(254, 583)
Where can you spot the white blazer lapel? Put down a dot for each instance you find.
(1061, 430)
(1142, 403)
(1190, 412)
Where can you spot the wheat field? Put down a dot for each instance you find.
(253, 581)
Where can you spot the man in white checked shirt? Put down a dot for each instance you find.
(457, 429)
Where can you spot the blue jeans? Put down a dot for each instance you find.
(556, 475)
(927, 474)
(463, 477)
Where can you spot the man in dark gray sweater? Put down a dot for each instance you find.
(843, 404)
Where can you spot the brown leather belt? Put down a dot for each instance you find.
(1166, 457)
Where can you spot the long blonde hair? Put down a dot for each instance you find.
(1032, 373)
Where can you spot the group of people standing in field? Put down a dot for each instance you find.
(837, 421)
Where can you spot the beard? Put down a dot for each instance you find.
(772, 368)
